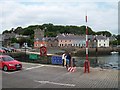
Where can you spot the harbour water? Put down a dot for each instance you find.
(108, 61)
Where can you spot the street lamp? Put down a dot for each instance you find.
(25, 45)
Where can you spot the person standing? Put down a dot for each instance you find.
(63, 59)
(68, 60)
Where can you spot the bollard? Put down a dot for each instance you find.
(87, 66)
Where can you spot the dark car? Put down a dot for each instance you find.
(12, 49)
(6, 49)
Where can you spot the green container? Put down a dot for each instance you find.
(33, 56)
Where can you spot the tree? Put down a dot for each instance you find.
(18, 30)
(108, 34)
(14, 40)
(6, 31)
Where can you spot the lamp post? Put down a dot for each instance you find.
(25, 45)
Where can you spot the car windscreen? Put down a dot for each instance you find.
(7, 58)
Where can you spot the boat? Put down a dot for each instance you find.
(114, 52)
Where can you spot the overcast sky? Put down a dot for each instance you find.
(102, 15)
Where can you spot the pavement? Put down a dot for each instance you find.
(54, 76)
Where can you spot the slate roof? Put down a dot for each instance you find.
(70, 37)
(100, 37)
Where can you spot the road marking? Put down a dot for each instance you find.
(11, 72)
(24, 69)
(34, 67)
(31, 63)
(62, 84)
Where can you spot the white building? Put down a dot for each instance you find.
(102, 41)
(69, 40)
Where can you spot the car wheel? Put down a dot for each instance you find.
(5, 68)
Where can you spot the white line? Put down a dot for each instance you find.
(11, 72)
(23, 69)
(43, 64)
(34, 67)
(62, 84)
(31, 63)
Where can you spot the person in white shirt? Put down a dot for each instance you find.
(63, 59)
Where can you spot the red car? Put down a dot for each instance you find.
(9, 63)
(2, 51)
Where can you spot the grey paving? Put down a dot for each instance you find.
(51, 76)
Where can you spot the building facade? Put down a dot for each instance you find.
(39, 39)
(102, 41)
(1, 40)
(52, 42)
(7, 38)
(69, 40)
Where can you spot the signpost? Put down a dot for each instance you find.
(56, 60)
(43, 51)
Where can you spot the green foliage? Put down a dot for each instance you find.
(18, 30)
(14, 40)
(21, 41)
(6, 31)
(116, 42)
(52, 31)
(108, 34)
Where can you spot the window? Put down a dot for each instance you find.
(36, 44)
(8, 58)
(70, 40)
(61, 40)
(99, 44)
(104, 44)
(65, 41)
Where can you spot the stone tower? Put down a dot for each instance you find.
(38, 33)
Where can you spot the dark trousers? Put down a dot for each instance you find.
(63, 62)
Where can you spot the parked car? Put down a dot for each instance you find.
(6, 49)
(9, 63)
(26, 48)
(2, 51)
(12, 49)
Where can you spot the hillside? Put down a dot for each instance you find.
(52, 30)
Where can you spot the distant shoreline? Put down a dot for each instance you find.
(81, 52)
